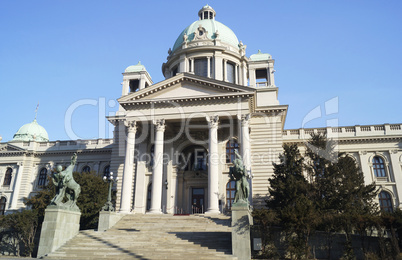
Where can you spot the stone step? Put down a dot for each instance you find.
(154, 237)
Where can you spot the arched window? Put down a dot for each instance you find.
(385, 201)
(106, 171)
(231, 146)
(42, 177)
(378, 167)
(8, 177)
(230, 193)
(193, 158)
(149, 194)
(3, 202)
(86, 169)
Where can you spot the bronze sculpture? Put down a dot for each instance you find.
(66, 186)
(239, 174)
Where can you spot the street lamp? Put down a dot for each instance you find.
(109, 205)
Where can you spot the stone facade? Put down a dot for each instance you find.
(174, 140)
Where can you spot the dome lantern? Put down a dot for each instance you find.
(207, 12)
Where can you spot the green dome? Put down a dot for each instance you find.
(135, 68)
(31, 132)
(226, 35)
(260, 56)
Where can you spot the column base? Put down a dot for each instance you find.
(124, 211)
(154, 211)
(212, 212)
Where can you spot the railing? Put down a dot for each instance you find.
(263, 84)
(347, 131)
(197, 210)
(74, 143)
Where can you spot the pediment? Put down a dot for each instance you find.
(185, 86)
(9, 148)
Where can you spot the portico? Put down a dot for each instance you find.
(178, 136)
(181, 164)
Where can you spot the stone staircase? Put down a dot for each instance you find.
(138, 236)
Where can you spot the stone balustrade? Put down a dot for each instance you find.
(65, 144)
(345, 131)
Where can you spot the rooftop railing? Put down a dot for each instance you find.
(345, 131)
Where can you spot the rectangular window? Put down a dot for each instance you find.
(230, 70)
(201, 67)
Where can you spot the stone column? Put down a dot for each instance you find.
(97, 168)
(17, 185)
(157, 174)
(271, 74)
(208, 67)
(252, 78)
(192, 65)
(364, 164)
(142, 81)
(218, 65)
(225, 76)
(213, 168)
(236, 74)
(396, 170)
(244, 70)
(127, 182)
(245, 149)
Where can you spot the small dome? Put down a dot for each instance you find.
(208, 22)
(31, 132)
(260, 56)
(135, 68)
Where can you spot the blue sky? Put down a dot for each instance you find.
(71, 53)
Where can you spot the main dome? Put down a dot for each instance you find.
(31, 132)
(211, 26)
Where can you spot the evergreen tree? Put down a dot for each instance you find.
(341, 195)
(19, 227)
(291, 199)
(94, 192)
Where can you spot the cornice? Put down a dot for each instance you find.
(183, 77)
(207, 98)
(80, 151)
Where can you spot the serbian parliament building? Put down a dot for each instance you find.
(175, 140)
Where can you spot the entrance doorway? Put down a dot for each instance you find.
(197, 201)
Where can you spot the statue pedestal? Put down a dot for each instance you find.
(59, 226)
(108, 219)
(241, 221)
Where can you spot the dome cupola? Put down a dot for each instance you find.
(31, 132)
(208, 48)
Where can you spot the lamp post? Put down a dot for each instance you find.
(109, 205)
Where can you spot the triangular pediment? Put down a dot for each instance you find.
(185, 85)
(9, 148)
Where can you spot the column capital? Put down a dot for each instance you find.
(245, 119)
(131, 126)
(212, 121)
(159, 124)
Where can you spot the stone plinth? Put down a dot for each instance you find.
(59, 226)
(241, 221)
(108, 219)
